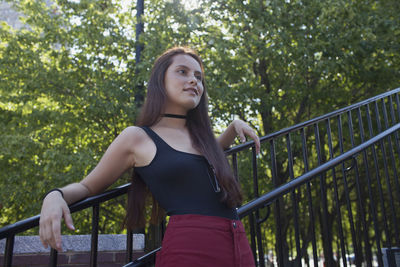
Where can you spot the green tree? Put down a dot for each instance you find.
(282, 62)
(66, 92)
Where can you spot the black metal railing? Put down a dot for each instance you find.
(331, 186)
(10, 231)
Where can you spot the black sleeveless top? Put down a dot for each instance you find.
(181, 182)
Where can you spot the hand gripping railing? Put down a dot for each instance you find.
(11, 230)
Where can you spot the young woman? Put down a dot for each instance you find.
(175, 155)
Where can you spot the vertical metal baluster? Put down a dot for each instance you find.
(8, 253)
(387, 175)
(392, 157)
(392, 116)
(53, 258)
(384, 113)
(360, 205)
(310, 206)
(336, 194)
(294, 202)
(378, 178)
(398, 105)
(277, 209)
(235, 166)
(253, 236)
(255, 174)
(290, 230)
(325, 225)
(346, 189)
(398, 114)
(378, 119)
(381, 144)
(129, 246)
(365, 159)
(257, 212)
(251, 216)
(381, 198)
(396, 134)
(95, 235)
(163, 228)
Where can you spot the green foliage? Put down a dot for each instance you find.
(66, 93)
(290, 61)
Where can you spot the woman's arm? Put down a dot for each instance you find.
(119, 157)
(241, 129)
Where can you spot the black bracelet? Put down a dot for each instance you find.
(52, 190)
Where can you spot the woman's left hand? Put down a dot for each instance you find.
(242, 129)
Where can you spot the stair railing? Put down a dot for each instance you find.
(331, 186)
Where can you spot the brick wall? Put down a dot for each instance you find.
(79, 259)
(28, 251)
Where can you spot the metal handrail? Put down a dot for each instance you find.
(277, 192)
(33, 221)
(315, 120)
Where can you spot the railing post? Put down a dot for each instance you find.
(381, 197)
(328, 253)
(309, 196)
(235, 166)
(336, 195)
(129, 245)
(279, 247)
(360, 195)
(392, 201)
(53, 258)
(346, 189)
(294, 201)
(9, 251)
(253, 236)
(95, 235)
(257, 213)
(366, 236)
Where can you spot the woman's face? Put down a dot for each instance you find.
(183, 84)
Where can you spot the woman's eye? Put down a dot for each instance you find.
(182, 71)
(198, 77)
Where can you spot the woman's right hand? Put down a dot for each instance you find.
(54, 208)
(118, 158)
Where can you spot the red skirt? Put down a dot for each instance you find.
(197, 241)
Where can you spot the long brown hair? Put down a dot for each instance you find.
(199, 126)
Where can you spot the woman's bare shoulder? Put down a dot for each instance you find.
(133, 135)
(140, 145)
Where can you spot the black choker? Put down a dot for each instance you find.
(175, 116)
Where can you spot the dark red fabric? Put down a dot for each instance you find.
(204, 241)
